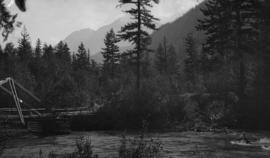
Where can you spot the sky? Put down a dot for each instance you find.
(53, 20)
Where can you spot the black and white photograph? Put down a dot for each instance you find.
(134, 78)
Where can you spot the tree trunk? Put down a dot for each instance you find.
(138, 47)
(242, 80)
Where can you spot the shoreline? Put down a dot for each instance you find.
(107, 142)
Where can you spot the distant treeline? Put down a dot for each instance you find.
(51, 73)
(223, 82)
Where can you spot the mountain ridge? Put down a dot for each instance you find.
(174, 31)
(93, 40)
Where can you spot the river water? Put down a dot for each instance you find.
(175, 145)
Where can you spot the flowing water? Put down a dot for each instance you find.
(175, 145)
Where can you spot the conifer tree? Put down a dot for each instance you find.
(25, 48)
(165, 58)
(59, 51)
(161, 57)
(47, 78)
(245, 35)
(263, 79)
(48, 52)
(135, 32)
(216, 25)
(231, 29)
(2, 58)
(35, 64)
(1, 51)
(63, 53)
(265, 26)
(62, 89)
(38, 49)
(110, 53)
(265, 31)
(11, 59)
(172, 66)
(190, 60)
(81, 60)
(10, 49)
(67, 53)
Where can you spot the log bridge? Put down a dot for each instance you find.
(43, 122)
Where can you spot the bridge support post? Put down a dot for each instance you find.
(16, 100)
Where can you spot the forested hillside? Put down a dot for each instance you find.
(177, 31)
(208, 69)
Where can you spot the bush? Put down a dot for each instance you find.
(140, 148)
(154, 103)
(206, 111)
(84, 149)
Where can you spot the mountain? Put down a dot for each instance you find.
(94, 40)
(75, 38)
(98, 57)
(177, 31)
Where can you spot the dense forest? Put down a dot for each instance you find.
(223, 82)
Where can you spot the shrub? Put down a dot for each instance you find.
(128, 108)
(140, 148)
(84, 148)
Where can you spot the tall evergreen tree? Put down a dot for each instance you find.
(35, 64)
(48, 76)
(165, 58)
(10, 60)
(62, 90)
(48, 52)
(83, 76)
(1, 51)
(38, 49)
(2, 58)
(161, 57)
(230, 26)
(81, 60)
(63, 53)
(25, 48)
(190, 60)
(110, 53)
(10, 50)
(172, 66)
(265, 32)
(135, 32)
(265, 26)
(216, 25)
(245, 35)
(263, 78)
